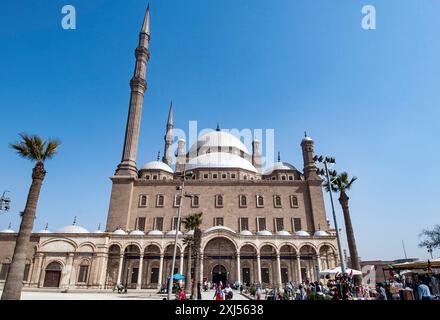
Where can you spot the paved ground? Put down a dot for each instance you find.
(107, 295)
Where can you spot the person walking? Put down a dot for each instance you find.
(423, 291)
(181, 294)
(219, 293)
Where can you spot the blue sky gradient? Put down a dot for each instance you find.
(369, 98)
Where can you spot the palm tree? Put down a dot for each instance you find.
(193, 222)
(189, 242)
(37, 150)
(341, 184)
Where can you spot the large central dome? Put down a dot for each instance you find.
(218, 141)
(220, 160)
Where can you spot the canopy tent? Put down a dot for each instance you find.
(338, 270)
(415, 265)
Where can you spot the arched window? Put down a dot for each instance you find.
(160, 200)
(195, 201)
(219, 201)
(83, 271)
(142, 200)
(294, 201)
(260, 201)
(277, 201)
(243, 201)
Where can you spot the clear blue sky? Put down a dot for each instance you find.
(369, 98)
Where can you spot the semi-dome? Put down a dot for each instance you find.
(119, 231)
(279, 166)
(264, 233)
(245, 233)
(283, 233)
(157, 165)
(155, 233)
(220, 160)
(173, 233)
(72, 229)
(219, 228)
(215, 139)
(321, 233)
(137, 233)
(302, 233)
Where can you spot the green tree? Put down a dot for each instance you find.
(432, 238)
(193, 222)
(35, 149)
(341, 184)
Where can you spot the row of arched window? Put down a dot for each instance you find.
(219, 201)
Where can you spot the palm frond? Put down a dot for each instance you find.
(34, 148)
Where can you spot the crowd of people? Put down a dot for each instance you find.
(342, 287)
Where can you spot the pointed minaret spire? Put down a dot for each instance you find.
(167, 154)
(138, 85)
(146, 24)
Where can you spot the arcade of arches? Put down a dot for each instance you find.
(222, 261)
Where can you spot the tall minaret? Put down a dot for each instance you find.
(310, 168)
(138, 85)
(167, 156)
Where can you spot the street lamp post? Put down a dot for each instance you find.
(326, 172)
(430, 251)
(5, 202)
(179, 211)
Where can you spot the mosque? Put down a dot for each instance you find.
(260, 225)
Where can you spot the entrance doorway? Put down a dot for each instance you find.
(52, 275)
(219, 273)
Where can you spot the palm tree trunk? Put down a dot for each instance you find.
(196, 280)
(343, 200)
(188, 272)
(14, 280)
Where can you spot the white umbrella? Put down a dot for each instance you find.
(338, 270)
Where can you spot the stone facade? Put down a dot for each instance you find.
(259, 226)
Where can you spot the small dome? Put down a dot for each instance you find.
(306, 138)
(279, 166)
(44, 231)
(264, 233)
(173, 233)
(157, 165)
(98, 231)
(119, 231)
(283, 233)
(9, 230)
(302, 233)
(155, 233)
(219, 228)
(137, 233)
(321, 233)
(72, 229)
(190, 232)
(245, 233)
